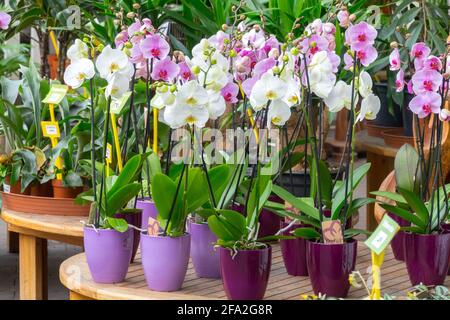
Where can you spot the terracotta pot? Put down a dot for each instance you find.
(59, 191)
(395, 140)
(377, 131)
(43, 205)
(16, 188)
(41, 190)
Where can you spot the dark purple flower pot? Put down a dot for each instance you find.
(427, 257)
(294, 252)
(165, 261)
(269, 222)
(204, 257)
(329, 267)
(245, 276)
(446, 227)
(133, 217)
(148, 210)
(108, 253)
(397, 244)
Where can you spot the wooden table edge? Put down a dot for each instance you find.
(13, 218)
(97, 291)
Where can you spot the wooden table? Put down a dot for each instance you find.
(382, 158)
(34, 230)
(74, 274)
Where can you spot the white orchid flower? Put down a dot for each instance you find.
(279, 112)
(179, 115)
(370, 106)
(78, 50)
(201, 48)
(192, 94)
(216, 106)
(293, 96)
(365, 84)
(111, 61)
(215, 79)
(118, 84)
(268, 88)
(79, 71)
(321, 76)
(340, 97)
(163, 97)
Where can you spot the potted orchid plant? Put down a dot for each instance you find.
(422, 195)
(108, 238)
(332, 203)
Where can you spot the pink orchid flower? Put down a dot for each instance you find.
(136, 54)
(400, 81)
(185, 72)
(420, 51)
(230, 92)
(425, 104)
(344, 18)
(5, 19)
(394, 60)
(329, 28)
(335, 60)
(360, 36)
(270, 44)
(134, 28)
(367, 55)
(314, 44)
(263, 66)
(433, 63)
(165, 70)
(121, 39)
(426, 80)
(409, 86)
(155, 47)
(348, 60)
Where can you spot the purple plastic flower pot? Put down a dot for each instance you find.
(446, 227)
(165, 261)
(294, 252)
(108, 253)
(245, 276)
(427, 257)
(329, 267)
(205, 258)
(133, 217)
(269, 222)
(397, 244)
(148, 210)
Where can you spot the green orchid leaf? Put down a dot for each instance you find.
(306, 233)
(297, 203)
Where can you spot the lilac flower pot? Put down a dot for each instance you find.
(133, 217)
(329, 267)
(148, 210)
(108, 253)
(427, 257)
(294, 252)
(397, 243)
(165, 261)
(245, 276)
(205, 258)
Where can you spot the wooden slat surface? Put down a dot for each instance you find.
(74, 274)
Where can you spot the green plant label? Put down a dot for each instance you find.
(117, 105)
(56, 94)
(382, 235)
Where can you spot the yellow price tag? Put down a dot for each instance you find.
(50, 129)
